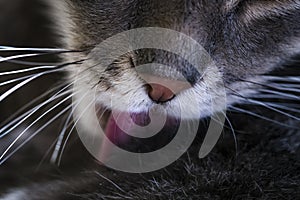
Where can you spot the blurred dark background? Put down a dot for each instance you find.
(25, 23)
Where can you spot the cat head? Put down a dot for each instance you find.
(244, 40)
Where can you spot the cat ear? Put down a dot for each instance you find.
(262, 9)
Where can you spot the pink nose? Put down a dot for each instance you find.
(159, 93)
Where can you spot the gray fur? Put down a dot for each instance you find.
(246, 39)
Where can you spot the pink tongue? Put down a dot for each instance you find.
(116, 134)
(113, 134)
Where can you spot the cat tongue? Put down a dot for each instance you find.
(136, 132)
(113, 131)
(119, 129)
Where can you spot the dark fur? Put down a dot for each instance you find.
(244, 49)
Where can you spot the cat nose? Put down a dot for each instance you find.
(160, 93)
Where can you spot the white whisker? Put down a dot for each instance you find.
(27, 70)
(3, 59)
(272, 108)
(46, 154)
(282, 78)
(18, 86)
(285, 85)
(2, 159)
(28, 114)
(110, 181)
(271, 96)
(240, 110)
(33, 123)
(28, 63)
(35, 100)
(15, 80)
(8, 48)
(280, 106)
(280, 93)
(73, 127)
(233, 135)
(278, 87)
(60, 139)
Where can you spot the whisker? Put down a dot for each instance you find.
(272, 108)
(283, 79)
(279, 93)
(46, 154)
(272, 96)
(28, 70)
(33, 102)
(33, 123)
(275, 86)
(8, 48)
(28, 114)
(233, 134)
(73, 127)
(60, 139)
(280, 106)
(2, 159)
(240, 110)
(18, 86)
(4, 59)
(28, 63)
(16, 80)
(110, 181)
(264, 105)
(286, 85)
(288, 89)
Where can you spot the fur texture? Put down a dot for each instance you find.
(254, 45)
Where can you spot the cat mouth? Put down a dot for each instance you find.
(142, 132)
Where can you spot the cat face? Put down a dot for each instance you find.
(245, 40)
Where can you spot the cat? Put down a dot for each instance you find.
(251, 44)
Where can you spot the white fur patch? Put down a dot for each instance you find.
(15, 195)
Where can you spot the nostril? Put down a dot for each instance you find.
(160, 93)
